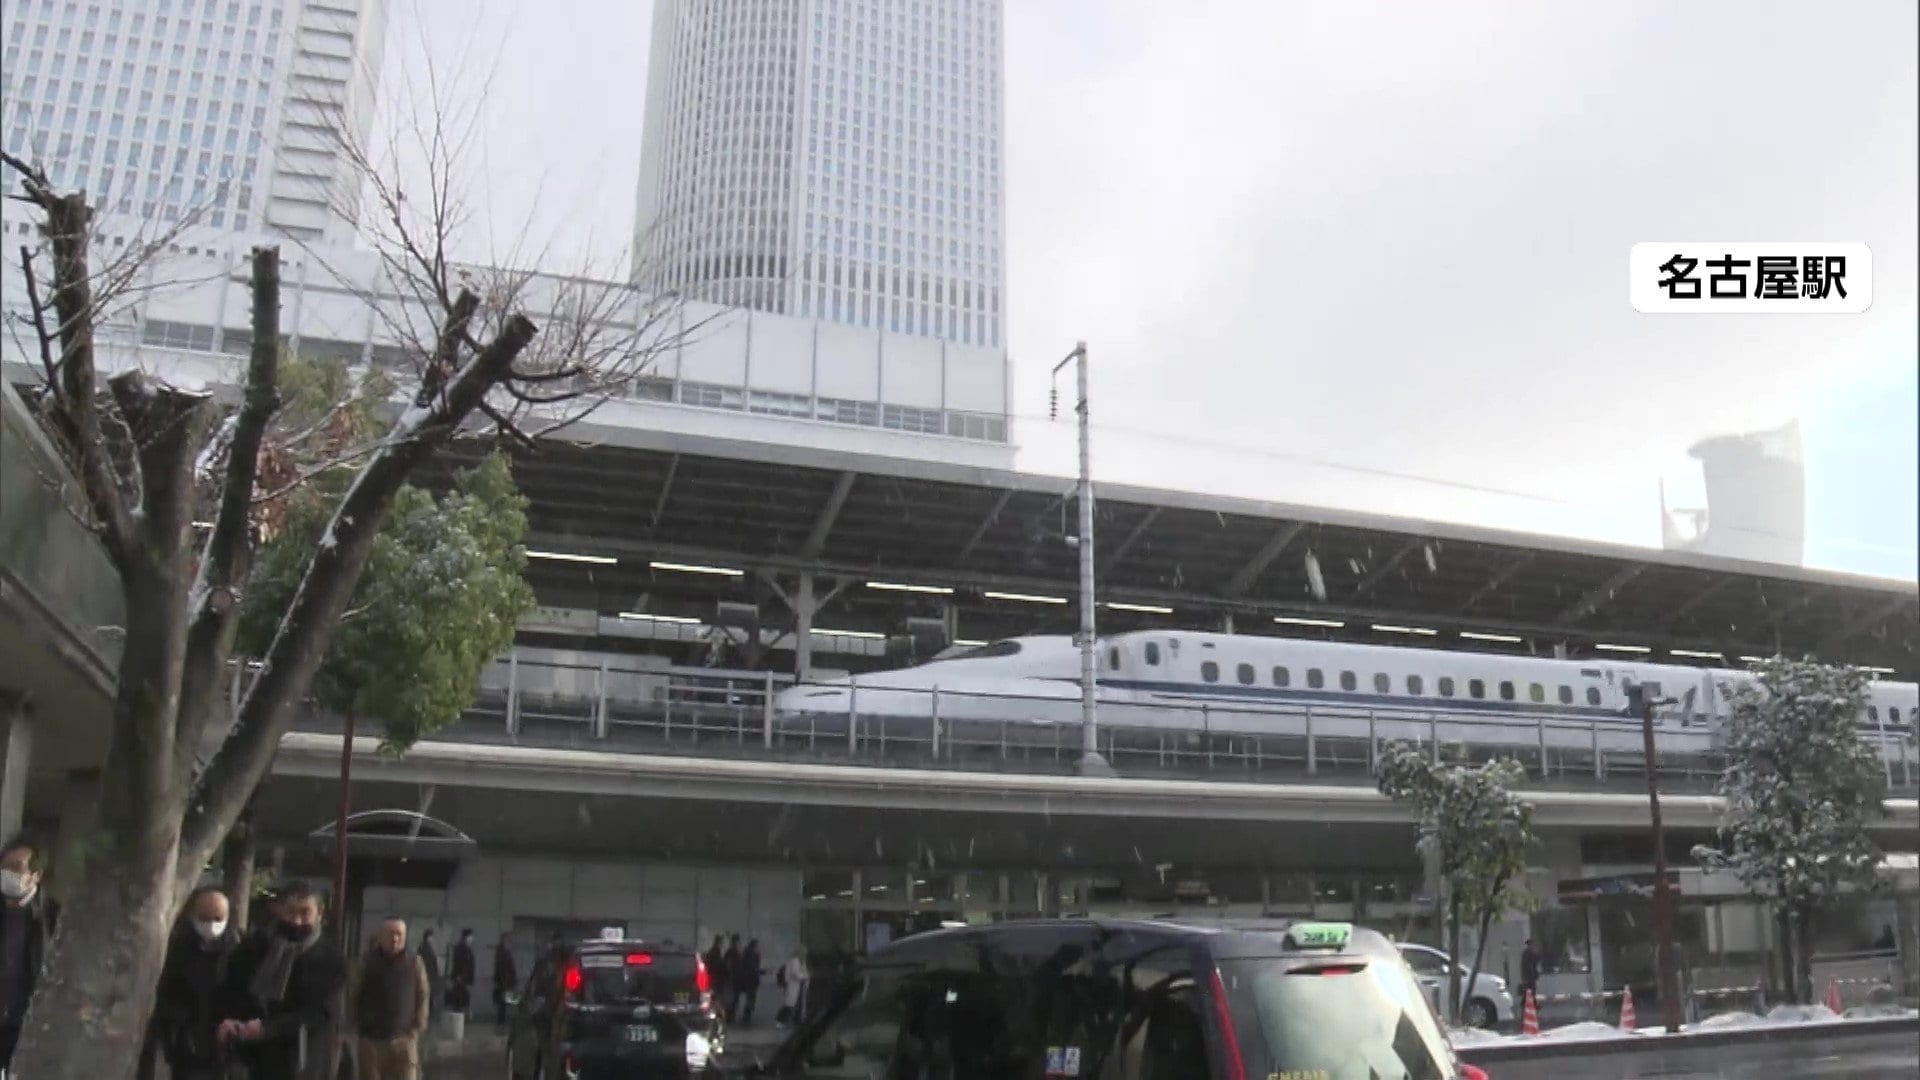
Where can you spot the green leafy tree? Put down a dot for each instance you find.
(1801, 787)
(1477, 832)
(438, 601)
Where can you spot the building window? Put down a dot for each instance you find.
(1280, 676)
(1210, 671)
(1349, 681)
(1315, 680)
(1245, 674)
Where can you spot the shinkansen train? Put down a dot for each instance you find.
(1221, 683)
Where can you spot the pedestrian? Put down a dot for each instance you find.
(188, 999)
(461, 974)
(431, 958)
(1529, 970)
(27, 922)
(505, 977)
(730, 963)
(281, 985)
(750, 973)
(793, 989)
(391, 1005)
(716, 961)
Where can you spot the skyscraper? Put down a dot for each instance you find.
(223, 109)
(836, 159)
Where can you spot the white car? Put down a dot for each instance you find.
(1486, 1003)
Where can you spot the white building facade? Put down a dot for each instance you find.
(833, 159)
(225, 112)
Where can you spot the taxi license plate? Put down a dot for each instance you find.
(642, 1033)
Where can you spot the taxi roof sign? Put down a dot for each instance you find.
(1328, 935)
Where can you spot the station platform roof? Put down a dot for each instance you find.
(640, 497)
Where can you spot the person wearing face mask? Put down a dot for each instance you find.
(186, 1011)
(280, 991)
(27, 921)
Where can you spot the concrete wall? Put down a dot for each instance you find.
(686, 903)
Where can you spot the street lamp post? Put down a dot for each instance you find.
(1091, 763)
(1662, 892)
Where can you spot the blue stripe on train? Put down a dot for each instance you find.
(1205, 691)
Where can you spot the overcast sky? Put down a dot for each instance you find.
(1371, 254)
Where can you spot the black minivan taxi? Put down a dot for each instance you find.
(1062, 999)
(613, 1009)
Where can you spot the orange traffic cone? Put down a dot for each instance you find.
(1529, 1017)
(1833, 996)
(1627, 1020)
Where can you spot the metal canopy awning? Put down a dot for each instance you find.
(402, 835)
(773, 511)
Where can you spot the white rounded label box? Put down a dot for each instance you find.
(1718, 278)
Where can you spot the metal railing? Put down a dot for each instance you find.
(554, 698)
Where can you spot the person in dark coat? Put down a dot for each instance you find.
(191, 991)
(749, 982)
(461, 974)
(430, 957)
(505, 977)
(280, 992)
(27, 922)
(717, 973)
(1529, 970)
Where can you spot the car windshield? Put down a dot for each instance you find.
(1366, 1023)
(635, 976)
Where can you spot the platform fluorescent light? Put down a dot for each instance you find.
(894, 586)
(641, 616)
(1296, 620)
(850, 633)
(695, 568)
(1151, 609)
(1389, 628)
(1476, 635)
(1025, 598)
(1604, 647)
(968, 643)
(1879, 670)
(571, 556)
(1697, 654)
(1753, 659)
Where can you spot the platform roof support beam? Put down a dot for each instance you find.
(1126, 544)
(1380, 572)
(1600, 594)
(1243, 578)
(1494, 582)
(986, 523)
(666, 489)
(1866, 622)
(823, 525)
(1699, 598)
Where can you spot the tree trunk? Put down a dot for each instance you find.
(236, 874)
(1803, 956)
(1480, 950)
(1453, 958)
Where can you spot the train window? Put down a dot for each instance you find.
(1873, 713)
(1446, 686)
(1348, 681)
(1153, 653)
(1566, 694)
(1536, 693)
(1476, 688)
(1245, 673)
(1315, 679)
(1382, 684)
(1414, 685)
(1506, 690)
(1280, 676)
(1210, 671)
(1113, 658)
(1593, 695)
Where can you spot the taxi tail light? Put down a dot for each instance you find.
(572, 980)
(1473, 1072)
(702, 981)
(639, 959)
(1236, 1066)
